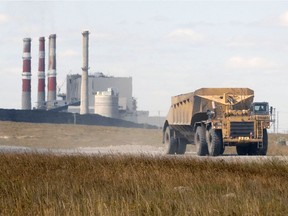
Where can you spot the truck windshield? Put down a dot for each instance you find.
(261, 109)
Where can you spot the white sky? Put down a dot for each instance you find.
(167, 47)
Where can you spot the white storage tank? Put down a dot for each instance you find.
(106, 103)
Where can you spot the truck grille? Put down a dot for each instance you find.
(241, 129)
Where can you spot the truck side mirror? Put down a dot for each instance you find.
(271, 110)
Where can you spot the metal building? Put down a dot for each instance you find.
(99, 82)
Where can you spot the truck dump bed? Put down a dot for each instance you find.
(186, 109)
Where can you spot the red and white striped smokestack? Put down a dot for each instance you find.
(26, 74)
(84, 103)
(41, 74)
(52, 71)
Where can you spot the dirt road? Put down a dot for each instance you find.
(80, 139)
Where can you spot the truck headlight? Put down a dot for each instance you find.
(217, 124)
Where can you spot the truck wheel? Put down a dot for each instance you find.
(170, 141)
(181, 147)
(263, 151)
(214, 142)
(242, 150)
(200, 141)
(252, 149)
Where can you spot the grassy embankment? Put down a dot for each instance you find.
(35, 184)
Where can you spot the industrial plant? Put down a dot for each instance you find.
(86, 93)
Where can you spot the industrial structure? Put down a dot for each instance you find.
(108, 96)
(26, 75)
(98, 84)
(93, 93)
(41, 104)
(107, 103)
(51, 97)
(84, 102)
(51, 103)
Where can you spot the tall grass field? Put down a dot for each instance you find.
(47, 184)
(43, 184)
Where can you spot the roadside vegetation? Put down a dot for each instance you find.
(38, 184)
(277, 144)
(44, 184)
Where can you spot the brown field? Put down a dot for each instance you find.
(46, 184)
(72, 136)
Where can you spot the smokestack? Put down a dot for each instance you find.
(41, 74)
(26, 75)
(84, 105)
(52, 70)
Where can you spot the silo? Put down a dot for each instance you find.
(106, 103)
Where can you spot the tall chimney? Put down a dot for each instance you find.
(41, 74)
(51, 97)
(26, 75)
(84, 105)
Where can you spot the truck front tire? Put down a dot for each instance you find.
(200, 141)
(214, 142)
(263, 151)
(242, 150)
(253, 149)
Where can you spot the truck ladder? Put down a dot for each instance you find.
(260, 134)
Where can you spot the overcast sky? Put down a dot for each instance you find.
(167, 47)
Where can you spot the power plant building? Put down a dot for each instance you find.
(105, 93)
(100, 83)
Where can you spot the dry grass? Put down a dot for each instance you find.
(35, 184)
(276, 149)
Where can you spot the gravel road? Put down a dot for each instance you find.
(134, 150)
(96, 140)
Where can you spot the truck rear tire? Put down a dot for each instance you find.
(214, 142)
(253, 149)
(200, 141)
(170, 141)
(181, 145)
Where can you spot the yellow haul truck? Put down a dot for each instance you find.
(212, 118)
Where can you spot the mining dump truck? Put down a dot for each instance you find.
(213, 118)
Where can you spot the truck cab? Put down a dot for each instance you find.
(260, 108)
